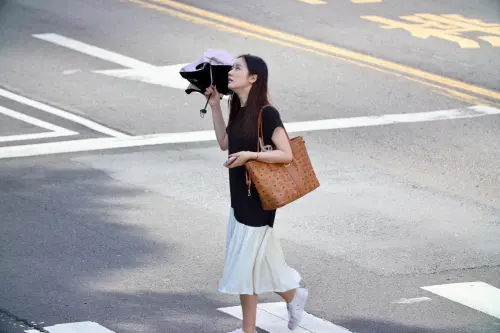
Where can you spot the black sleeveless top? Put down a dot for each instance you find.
(248, 209)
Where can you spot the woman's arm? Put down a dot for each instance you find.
(282, 153)
(219, 127)
(213, 97)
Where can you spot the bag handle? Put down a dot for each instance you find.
(260, 134)
(260, 131)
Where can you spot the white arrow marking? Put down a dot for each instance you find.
(273, 318)
(476, 295)
(167, 76)
(81, 327)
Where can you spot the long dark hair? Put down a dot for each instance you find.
(257, 97)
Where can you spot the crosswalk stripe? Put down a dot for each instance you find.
(273, 317)
(79, 327)
(476, 295)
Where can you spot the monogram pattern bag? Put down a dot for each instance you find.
(279, 184)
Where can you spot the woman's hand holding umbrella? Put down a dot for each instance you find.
(213, 96)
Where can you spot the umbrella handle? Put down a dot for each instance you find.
(204, 110)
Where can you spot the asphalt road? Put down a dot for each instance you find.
(129, 233)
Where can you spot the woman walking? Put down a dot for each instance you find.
(254, 260)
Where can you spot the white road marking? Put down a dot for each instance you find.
(314, 2)
(476, 295)
(34, 121)
(71, 71)
(62, 114)
(103, 143)
(94, 51)
(56, 131)
(33, 136)
(199, 136)
(326, 124)
(273, 318)
(412, 300)
(167, 76)
(80, 327)
(366, 1)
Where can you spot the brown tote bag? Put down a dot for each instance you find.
(279, 184)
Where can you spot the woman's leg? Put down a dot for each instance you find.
(288, 295)
(249, 307)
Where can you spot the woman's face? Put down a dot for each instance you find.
(238, 77)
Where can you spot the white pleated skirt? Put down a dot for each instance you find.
(254, 261)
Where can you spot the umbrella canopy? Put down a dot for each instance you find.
(211, 69)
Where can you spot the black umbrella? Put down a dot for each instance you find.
(211, 69)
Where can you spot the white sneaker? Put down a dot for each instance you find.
(296, 308)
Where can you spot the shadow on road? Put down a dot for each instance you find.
(72, 240)
(68, 243)
(381, 326)
(3, 3)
